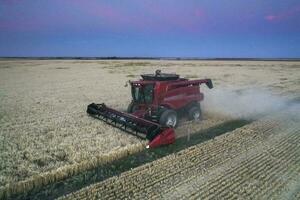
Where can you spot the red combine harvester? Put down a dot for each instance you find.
(157, 102)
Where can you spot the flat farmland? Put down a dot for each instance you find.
(46, 135)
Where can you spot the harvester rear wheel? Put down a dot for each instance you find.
(194, 112)
(169, 118)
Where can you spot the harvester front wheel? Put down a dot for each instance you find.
(194, 113)
(169, 118)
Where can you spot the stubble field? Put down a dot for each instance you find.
(258, 161)
(46, 136)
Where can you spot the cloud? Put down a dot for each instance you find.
(181, 18)
(271, 17)
(283, 15)
(106, 16)
(142, 16)
(10, 2)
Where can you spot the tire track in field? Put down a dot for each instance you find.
(217, 174)
(254, 178)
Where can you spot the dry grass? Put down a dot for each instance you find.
(43, 124)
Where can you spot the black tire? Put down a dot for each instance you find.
(132, 107)
(194, 112)
(169, 118)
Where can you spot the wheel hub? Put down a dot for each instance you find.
(171, 121)
(196, 115)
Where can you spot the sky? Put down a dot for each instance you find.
(151, 28)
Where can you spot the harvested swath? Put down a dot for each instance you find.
(252, 158)
(43, 179)
(253, 176)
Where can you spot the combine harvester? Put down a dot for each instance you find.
(157, 102)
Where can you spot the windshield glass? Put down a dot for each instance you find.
(143, 94)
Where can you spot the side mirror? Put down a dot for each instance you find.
(209, 84)
(157, 72)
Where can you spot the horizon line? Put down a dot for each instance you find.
(143, 58)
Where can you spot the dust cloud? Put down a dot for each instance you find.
(246, 104)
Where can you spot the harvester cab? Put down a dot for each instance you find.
(142, 93)
(158, 100)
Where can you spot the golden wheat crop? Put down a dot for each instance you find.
(67, 171)
(45, 134)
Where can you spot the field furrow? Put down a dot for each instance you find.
(206, 189)
(263, 170)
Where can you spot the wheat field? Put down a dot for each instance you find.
(46, 135)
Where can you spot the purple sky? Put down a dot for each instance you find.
(190, 28)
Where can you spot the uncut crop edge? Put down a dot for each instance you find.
(43, 179)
